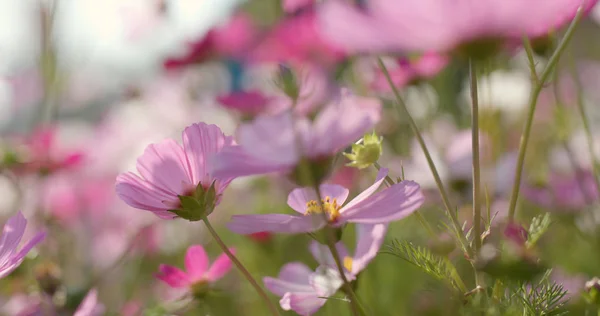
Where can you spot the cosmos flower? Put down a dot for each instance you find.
(199, 275)
(171, 174)
(278, 143)
(390, 204)
(303, 290)
(12, 233)
(475, 26)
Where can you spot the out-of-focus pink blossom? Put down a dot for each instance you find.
(570, 191)
(292, 6)
(426, 25)
(305, 291)
(198, 269)
(12, 233)
(261, 237)
(248, 103)
(409, 71)
(278, 143)
(90, 305)
(516, 233)
(168, 170)
(298, 40)
(391, 204)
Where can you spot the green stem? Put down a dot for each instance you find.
(476, 164)
(532, 106)
(241, 267)
(330, 236)
(403, 111)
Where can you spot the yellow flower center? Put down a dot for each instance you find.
(328, 205)
(348, 263)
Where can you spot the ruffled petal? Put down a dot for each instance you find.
(302, 303)
(90, 305)
(391, 204)
(173, 276)
(370, 190)
(165, 166)
(369, 237)
(220, 267)
(298, 198)
(274, 223)
(196, 262)
(234, 162)
(140, 194)
(200, 142)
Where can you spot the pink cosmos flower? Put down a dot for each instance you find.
(570, 192)
(277, 143)
(90, 305)
(248, 103)
(168, 170)
(198, 272)
(12, 233)
(409, 71)
(303, 290)
(422, 25)
(390, 204)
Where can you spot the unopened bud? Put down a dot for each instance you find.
(366, 153)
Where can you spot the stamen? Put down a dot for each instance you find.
(348, 263)
(328, 205)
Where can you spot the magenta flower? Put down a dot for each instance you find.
(278, 143)
(12, 233)
(174, 179)
(198, 275)
(90, 305)
(391, 204)
(410, 71)
(426, 25)
(303, 290)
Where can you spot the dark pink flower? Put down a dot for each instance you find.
(446, 25)
(12, 233)
(391, 204)
(168, 170)
(198, 271)
(248, 103)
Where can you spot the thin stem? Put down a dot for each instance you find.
(241, 267)
(476, 164)
(586, 127)
(530, 59)
(330, 236)
(532, 106)
(403, 110)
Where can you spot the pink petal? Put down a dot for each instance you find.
(196, 262)
(391, 204)
(326, 281)
(220, 267)
(173, 276)
(323, 255)
(291, 6)
(166, 167)
(302, 303)
(340, 124)
(90, 305)
(201, 141)
(369, 237)
(298, 198)
(234, 162)
(370, 190)
(274, 223)
(293, 277)
(11, 236)
(140, 194)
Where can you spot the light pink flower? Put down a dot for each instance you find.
(168, 170)
(303, 290)
(390, 204)
(90, 305)
(12, 233)
(434, 25)
(409, 71)
(198, 271)
(278, 143)
(564, 191)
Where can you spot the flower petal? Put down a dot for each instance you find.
(293, 277)
(302, 303)
(298, 198)
(322, 254)
(370, 190)
(196, 263)
(234, 162)
(90, 305)
(200, 142)
(326, 281)
(274, 223)
(370, 237)
(165, 166)
(391, 204)
(140, 194)
(172, 276)
(11, 236)
(220, 267)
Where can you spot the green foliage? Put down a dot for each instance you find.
(438, 267)
(539, 226)
(544, 298)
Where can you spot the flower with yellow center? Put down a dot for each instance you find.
(328, 205)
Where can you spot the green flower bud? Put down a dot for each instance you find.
(365, 153)
(197, 205)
